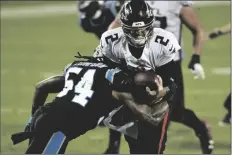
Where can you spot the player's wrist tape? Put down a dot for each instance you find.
(195, 58)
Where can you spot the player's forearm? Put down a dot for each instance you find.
(192, 22)
(51, 85)
(198, 40)
(141, 111)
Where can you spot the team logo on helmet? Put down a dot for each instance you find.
(138, 24)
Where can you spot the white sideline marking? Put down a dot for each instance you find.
(221, 71)
(96, 137)
(22, 12)
(204, 92)
(43, 11)
(15, 111)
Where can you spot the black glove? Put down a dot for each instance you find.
(194, 60)
(21, 136)
(196, 68)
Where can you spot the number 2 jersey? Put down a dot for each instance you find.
(88, 89)
(159, 50)
(167, 16)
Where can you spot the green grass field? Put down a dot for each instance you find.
(35, 48)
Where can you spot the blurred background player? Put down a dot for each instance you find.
(96, 16)
(170, 15)
(226, 29)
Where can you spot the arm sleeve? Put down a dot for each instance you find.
(166, 72)
(51, 85)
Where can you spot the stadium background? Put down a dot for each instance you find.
(39, 38)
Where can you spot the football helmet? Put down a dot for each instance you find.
(91, 8)
(137, 22)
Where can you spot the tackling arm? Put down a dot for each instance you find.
(150, 114)
(53, 84)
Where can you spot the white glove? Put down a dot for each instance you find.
(198, 71)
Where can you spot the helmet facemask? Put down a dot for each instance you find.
(138, 34)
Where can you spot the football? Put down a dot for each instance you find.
(142, 80)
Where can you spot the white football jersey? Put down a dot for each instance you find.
(167, 16)
(159, 49)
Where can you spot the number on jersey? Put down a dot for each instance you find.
(82, 89)
(160, 39)
(112, 38)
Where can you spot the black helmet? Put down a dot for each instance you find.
(90, 8)
(136, 20)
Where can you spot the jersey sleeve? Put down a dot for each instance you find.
(178, 5)
(168, 50)
(105, 49)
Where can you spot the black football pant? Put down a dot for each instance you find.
(178, 111)
(227, 105)
(54, 127)
(151, 139)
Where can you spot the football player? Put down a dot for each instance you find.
(84, 87)
(137, 45)
(170, 15)
(226, 29)
(96, 16)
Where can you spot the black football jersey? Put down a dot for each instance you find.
(89, 85)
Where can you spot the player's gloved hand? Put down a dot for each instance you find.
(215, 34)
(170, 91)
(27, 128)
(196, 68)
